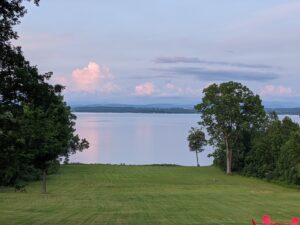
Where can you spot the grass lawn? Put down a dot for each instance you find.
(137, 195)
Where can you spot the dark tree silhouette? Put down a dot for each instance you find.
(36, 125)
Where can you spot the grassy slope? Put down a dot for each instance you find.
(98, 194)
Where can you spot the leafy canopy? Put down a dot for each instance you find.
(196, 139)
(227, 111)
(36, 125)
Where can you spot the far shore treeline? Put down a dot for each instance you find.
(162, 109)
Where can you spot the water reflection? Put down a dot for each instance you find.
(137, 138)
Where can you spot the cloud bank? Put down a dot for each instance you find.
(220, 74)
(180, 59)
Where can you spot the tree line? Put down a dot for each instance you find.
(246, 139)
(36, 125)
(132, 109)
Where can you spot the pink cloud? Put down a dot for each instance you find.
(86, 77)
(92, 78)
(144, 89)
(276, 90)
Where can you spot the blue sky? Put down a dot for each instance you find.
(141, 52)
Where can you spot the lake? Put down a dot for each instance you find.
(137, 138)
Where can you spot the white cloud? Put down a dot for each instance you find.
(144, 89)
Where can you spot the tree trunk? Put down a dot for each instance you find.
(44, 187)
(197, 159)
(228, 158)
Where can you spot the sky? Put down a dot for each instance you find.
(146, 52)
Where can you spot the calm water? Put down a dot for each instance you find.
(139, 138)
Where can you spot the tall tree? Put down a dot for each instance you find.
(196, 141)
(36, 125)
(16, 86)
(227, 110)
(48, 134)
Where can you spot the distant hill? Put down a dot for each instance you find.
(161, 108)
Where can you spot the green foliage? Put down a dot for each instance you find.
(36, 125)
(11, 11)
(245, 139)
(288, 165)
(53, 166)
(197, 141)
(228, 112)
(275, 153)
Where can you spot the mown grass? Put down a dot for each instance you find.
(137, 195)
